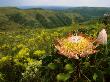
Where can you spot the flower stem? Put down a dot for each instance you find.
(106, 50)
(78, 69)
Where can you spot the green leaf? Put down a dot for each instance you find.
(39, 52)
(87, 64)
(63, 77)
(95, 76)
(69, 68)
(52, 66)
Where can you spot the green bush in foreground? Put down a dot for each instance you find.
(29, 56)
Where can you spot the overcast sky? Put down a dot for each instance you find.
(74, 3)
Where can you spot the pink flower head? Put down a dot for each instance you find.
(102, 37)
(75, 46)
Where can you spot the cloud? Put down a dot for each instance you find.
(10, 2)
(68, 2)
(55, 2)
(46, 2)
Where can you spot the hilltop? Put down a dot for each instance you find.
(14, 17)
(47, 17)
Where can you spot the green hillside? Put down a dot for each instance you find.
(13, 18)
(88, 13)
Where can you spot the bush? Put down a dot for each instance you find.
(32, 73)
(10, 70)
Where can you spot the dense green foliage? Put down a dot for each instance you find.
(106, 19)
(29, 55)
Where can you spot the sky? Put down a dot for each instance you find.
(73, 3)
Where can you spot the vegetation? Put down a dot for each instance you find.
(28, 54)
(16, 18)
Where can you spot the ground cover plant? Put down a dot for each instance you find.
(30, 55)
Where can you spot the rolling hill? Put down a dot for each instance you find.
(14, 17)
(47, 17)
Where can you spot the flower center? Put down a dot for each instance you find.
(74, 39)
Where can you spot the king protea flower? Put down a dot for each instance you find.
(75, 46)
(102, 37)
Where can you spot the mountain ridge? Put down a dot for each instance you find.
(47, 18)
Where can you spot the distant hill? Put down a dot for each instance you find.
(83, 13)
(32, 18)
(89, 11)
(45, 7)
(47, 17)
(86, 11)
